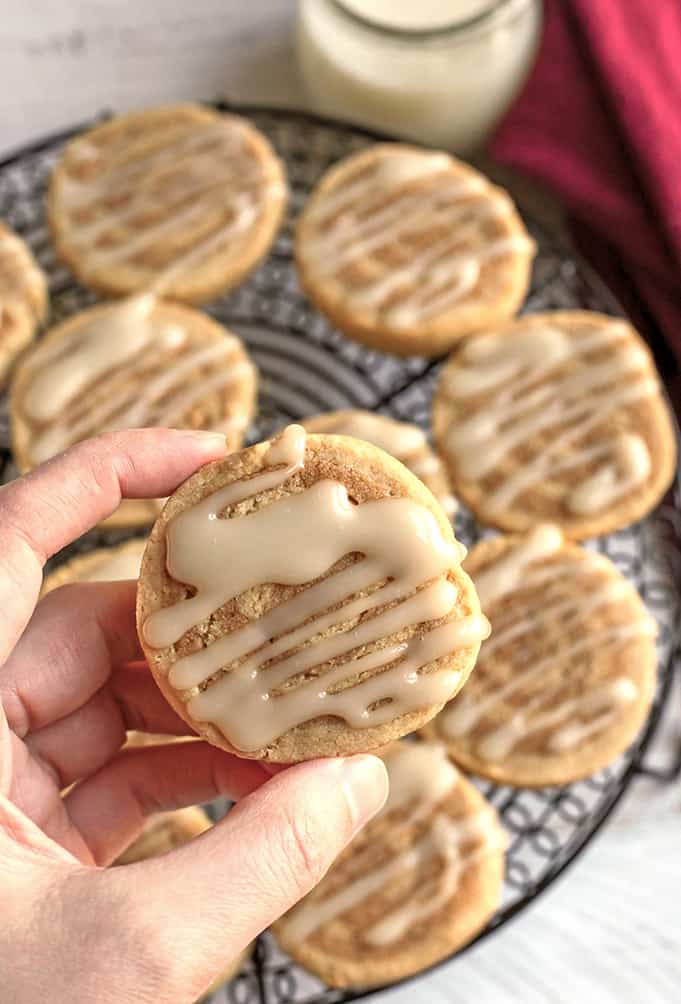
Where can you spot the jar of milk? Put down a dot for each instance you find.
(438, 71)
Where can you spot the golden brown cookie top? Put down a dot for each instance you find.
(182, 199)
(304, 597)
(104, 564)
(133, 363)
(566, 679)
(556, 416)
(409, 249)
(402, 440)
(23, 297)
(418, 882)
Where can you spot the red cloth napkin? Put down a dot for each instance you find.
(599, 122)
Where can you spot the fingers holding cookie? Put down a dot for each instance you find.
(305, 598)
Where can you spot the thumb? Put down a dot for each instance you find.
(200, 905)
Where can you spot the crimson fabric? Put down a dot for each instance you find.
(599, 122)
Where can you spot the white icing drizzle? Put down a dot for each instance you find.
(572, 719)
(219, 195)
(421, 777)
(404, 441)
(505, 575)
(356, 223)
(629, 466)
(86, 354)
(270, 668)
(538, 382)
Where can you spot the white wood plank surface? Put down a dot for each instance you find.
(64, 60)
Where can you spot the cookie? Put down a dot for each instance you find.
(104, 564)
(555, 417)
(416, 884)
(406, 250)
(402, 440)
(23, 298)
(567, 678)
(323, 612)
(135, 738)
(164, 832)
(182, 200)
(138, 362)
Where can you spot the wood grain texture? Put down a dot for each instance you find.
(61, 63)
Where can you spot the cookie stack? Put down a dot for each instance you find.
(306, 596)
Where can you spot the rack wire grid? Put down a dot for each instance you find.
(307, 366)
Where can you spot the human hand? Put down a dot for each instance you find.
(72, 681)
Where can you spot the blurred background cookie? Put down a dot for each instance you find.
(182, 199)
(404, 441)
(556, 416)
(138, 362)
(165, 831)
(407, 250)
(417, 883)
(566, 679)
(325, 613)
(23, 298)
(104, 564)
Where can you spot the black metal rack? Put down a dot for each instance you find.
(306, 366)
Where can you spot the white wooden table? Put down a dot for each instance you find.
(61, 63)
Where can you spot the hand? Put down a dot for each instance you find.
(71, 683)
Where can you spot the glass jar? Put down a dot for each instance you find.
(442, 72)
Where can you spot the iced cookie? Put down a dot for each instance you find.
(557, 417)
(183, 200)
(566, 680)
(304, 598)
(105, 564)
(164, 832)
(23, 298)
(138, 362)
(402, 440)
(407, 250)
(415, 885)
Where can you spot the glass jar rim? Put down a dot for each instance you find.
(448, 29)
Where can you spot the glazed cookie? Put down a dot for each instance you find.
(104, 564)
(164, 832)
(183, 200)
(135, 738)
(566, 680)
(139, 362)
(414, 886)
(557, 417)
(407, 250)
(304, 598)
(402, 440)
(23, 298)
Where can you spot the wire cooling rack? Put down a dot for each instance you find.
(306, 366)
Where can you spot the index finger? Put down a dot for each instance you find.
(47, 509)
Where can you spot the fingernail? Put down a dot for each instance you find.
(210, 441)
(365, 783)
